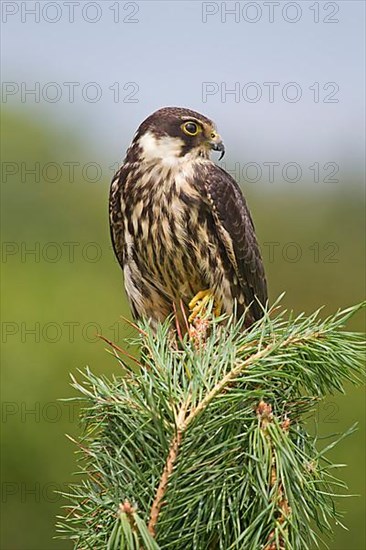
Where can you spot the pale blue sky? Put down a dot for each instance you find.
(170, 52)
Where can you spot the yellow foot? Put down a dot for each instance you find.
(198, 305)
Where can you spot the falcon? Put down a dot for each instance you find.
(180, 226)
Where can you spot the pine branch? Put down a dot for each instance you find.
(206, 445)
(168, 469)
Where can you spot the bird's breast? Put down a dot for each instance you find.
(165, 221)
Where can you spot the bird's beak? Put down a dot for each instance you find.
(217, 145)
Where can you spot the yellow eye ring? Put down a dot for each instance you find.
(191, 128)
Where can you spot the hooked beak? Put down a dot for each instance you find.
(217, 145)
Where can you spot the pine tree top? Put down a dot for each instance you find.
(204, 444)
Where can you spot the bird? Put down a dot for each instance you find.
(180, 226)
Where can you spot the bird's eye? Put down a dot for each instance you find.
(190, 128)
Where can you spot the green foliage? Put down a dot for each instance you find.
(207, 445)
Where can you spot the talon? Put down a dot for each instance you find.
(201, 294)
(198, 305)
(217, 308)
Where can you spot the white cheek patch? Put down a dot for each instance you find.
(164, 148)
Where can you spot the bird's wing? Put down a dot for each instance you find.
(236, 231)
(116, 223)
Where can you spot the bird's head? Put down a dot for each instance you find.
(172, 133)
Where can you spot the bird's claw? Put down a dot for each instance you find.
(198, 304)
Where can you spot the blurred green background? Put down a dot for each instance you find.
(54, 302)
